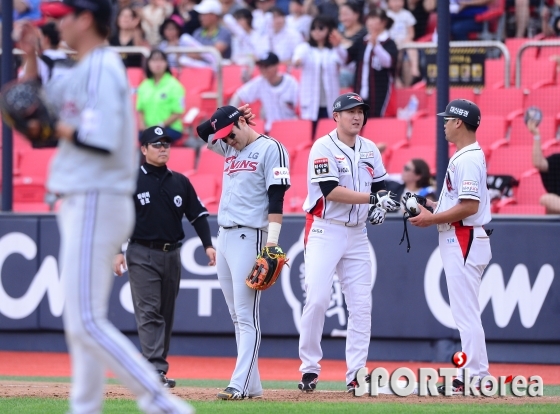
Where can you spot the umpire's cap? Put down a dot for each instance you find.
(464, 110)
(101, 9)
(220, 123)
(348, 101)
(153, 134)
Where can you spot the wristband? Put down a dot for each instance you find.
(373, 198)
(537, 137)
(273, 232)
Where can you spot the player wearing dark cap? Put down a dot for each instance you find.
(461, 212)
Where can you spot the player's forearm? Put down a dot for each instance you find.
(539, 161)
(31, 67)
(347, 196)
(275, 218)
(459, 212)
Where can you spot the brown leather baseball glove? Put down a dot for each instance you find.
(267, 268)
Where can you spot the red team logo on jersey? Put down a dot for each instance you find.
(369, 168)
(448, 182)
(243, 165)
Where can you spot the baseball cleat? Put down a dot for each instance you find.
(230, 393)
(457, 387)
(308, 382)
(351, 386)
(167, 382)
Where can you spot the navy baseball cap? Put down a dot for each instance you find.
(464, 110)
(220, 123)
(153, 134)
(101, 9)
(268, 59)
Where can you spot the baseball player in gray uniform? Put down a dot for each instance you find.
(255, 178)
(94, 170)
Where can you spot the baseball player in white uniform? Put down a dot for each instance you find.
(345, 178)
(94, 170)
(255, 178)
(461, 212)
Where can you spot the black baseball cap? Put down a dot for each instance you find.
(464, 110)
(101, 9)
(348, 101)
(153, 134)
(220, 123)
(268, 59)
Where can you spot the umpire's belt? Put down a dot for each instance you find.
(166, 247)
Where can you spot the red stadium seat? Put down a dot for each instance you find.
(210, 163)
(424, 131)
(500, 101)
(404, 95)
(292, 133)
(536, 73)
(521, 209)
(520, 135)
(530, 188)
(454, 93)
(510, 160)
(494, 74)
(31, 207)
(299, 162)
(181, 160)
(295, 196)
(492, 129)
(401, 156)
(324, 126)
(513, 45)
(135, 76)
(547, 99)
(206, 187)
(35, 163)
(387, 130)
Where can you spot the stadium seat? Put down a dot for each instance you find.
(530, 188)
(424, 132)
(500, 101)
(232, 76)
(324, 126)
(182, 160)
(454, 93)
(209, 163)
(520, 135)
(135, 76)
(494, 74)
(206, 187)
(522, 209)
(513, 45)
(31, 207)
(295, 196)
(404, 95)
(299, 162)
(293, 134)
(536, 73)
(387, 130)
(35, 163)
(547, 99)
(510, 160)
(551, 146)
(405, 154)
(195, 81)
(492, 129)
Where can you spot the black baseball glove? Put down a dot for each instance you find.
(25, 109)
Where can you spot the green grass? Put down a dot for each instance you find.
(46, 406)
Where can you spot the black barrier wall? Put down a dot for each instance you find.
(520, 290)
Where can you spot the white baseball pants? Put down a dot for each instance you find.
(333, 246)
(465, 252)
(236, 253)
(92, 229)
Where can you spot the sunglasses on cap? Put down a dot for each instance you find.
(446, 120)
(159, 144)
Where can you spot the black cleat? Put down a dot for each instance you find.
(167, 382)
(457, 387)
(308, 382)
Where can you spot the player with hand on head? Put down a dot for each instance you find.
(345, 188)
(460, 214)
(94, 170)
(255, 178)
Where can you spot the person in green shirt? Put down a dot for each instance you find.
(160, 97)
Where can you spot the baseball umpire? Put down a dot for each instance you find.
(461, 212)
(255, 178)
(94, 170)
(345, 187)
(161, 200)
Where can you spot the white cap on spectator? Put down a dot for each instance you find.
(209, 7)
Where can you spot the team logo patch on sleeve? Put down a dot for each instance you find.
(281, 173)
(469, 186)
(321, 166)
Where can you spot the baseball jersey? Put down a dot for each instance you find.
(356, 169)
(466, 179)
(247, 175)
(278, 101)
(94, 98)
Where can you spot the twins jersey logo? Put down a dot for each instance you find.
(243, 165)
(144, 198)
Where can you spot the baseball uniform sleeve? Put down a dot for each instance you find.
(468, 179)
(219, 147)
(276, 165)
(321, 165)
(379, 172)
(301, 53)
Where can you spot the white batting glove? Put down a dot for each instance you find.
(386, 201)
(376, 215)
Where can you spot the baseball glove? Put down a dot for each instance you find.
(267, 268)
(25, 109)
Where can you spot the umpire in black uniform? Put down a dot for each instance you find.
(162, 198)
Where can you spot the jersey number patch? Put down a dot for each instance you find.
(321, 166)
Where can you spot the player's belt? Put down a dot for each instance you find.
(232, 227)
(166, 247)
(339, 222)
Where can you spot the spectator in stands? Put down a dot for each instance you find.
(376, 60)
(320, 63)
(129, 33)
(402, 31)
(549, 169)
(247, 43)
(153, 15)
(118, 5)
(298, 20)
(231, 6)
(211, 33)
(522, 14)
(421, 10)
(328, 8)
(170, 32)
(161, 97)
(262, 18)
(281, 39)
(277, 92)
(350, 15)
(463, 14)
(416, 179)
(185, 10)
(27, 10)
(551, 19)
